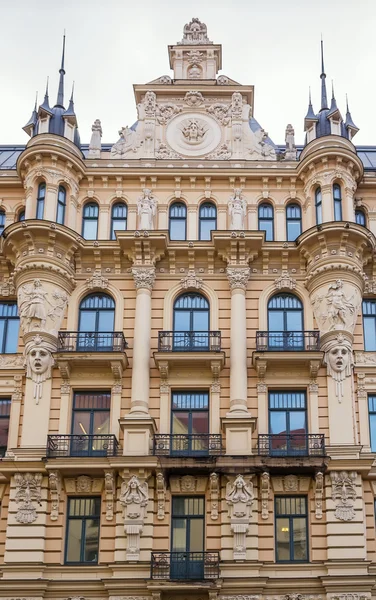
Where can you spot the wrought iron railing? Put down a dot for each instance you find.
(91, 341)
(185, 565)
(81, 445)
(292, 444)
(287, 341)
(189, 341)
(186, 445)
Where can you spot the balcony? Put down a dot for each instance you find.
(187, 445)
(190, 348)
(91, 341)
(293, 444)
(287, 341)
(62, 446)
(193, 566)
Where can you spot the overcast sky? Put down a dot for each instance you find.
(112, 44)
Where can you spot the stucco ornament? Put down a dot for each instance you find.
(285, 282)
(39, 309)
(134, 496)
(265, 490)
(54, 479)
(144, 277)
(150, 104)
(344, 494)
(95, 142)
(28, 494)
(236, 105)
(129, 141)
(336, 309)
(191, 281)
(193, 134)
(239, 498)
(194, 33)
(237, 210)
(221, 112)
(193, 130)
(214, 495)
(319, 492)
(163, 152)
(109, 488)
(193, 98)
(146, 210)
(338, 357)
(290, 153)
(224, 152)
(166, 111)
(260, 147)
(238, 277)
(161, 496)
(39, 362)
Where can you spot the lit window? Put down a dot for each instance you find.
(337, 200)
(266, 221)
(40, 200)
(83, 530)
(208, 220)
(291, 529)
(293, 222)
(118, 218)
(90, 221)
(318, 206)
(178, 221)
(61, 204)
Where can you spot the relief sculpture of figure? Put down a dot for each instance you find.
(237, 210)
(32, 305)
(338, 305)
(146, 209)
(239, 495)
(39, 362)
(339, 360)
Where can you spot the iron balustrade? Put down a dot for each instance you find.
(187, 445)
(291, 444)
(287, 341)
(195, 566)
(91, 341)
(81, 445)
(189, 341)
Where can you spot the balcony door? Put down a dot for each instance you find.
(285, 323)
(90, 424)
(187, 539)
(288, 423)
(190, 424)
(96, 323)
(191, 323)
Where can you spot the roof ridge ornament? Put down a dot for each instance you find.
(195, 32)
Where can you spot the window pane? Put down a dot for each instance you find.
(372, 427)
(196, 537)
(60, 214)
(4, 429)
(200, 321)
(87, 320)
(182, 321)
(294, 229)
(337, 210)
(299, 539)
(89, 231)
(294, 321)
(91, 540)
(369, 324)
(74, 540)
(267, 226)
(200, 422)
(205, 229)
(81, 423)
(40, 209)
(177, 229)
(180, 423)
(275, 319)
(179, 535)
(283, 539)
(106, 320)
(360, 218)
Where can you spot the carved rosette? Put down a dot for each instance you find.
(144, 277)
(238, 277)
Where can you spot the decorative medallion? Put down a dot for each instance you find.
(193, 134)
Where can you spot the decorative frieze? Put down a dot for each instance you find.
(28, 494)
(336, 307)
(83, 485)
(290, 483)
(344, 494)
(11, 360)
(54, 479)
(40, 309)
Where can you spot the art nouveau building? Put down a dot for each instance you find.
(188, 338)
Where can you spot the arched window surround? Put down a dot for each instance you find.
(266, 220)
(177, 221)
(337, 202)
(207, 219)
(90, 218)
(119, 217)
(293, 221)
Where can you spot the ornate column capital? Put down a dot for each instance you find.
(144, 277)
(238, 277)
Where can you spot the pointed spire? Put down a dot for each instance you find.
(30, 126)
(46, 104)
(60, 93)
(310, 117)
(324, 100)
(70, 110)
(349, 123)
(333, 106)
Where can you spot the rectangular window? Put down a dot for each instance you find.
(190, 423)
(372, 421)
(288, 423)
(369, 325)
(5, 404)
(291, 529)
(82, 545)
(90, 423)
(187, 540)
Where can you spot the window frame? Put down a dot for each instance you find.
(367, 318)
(173, 219)
(201, 219)
(318, 206)
(8, 401)
(6, 319)
(83, 538)
(41, 197)
(293, 220)
(88, 219)
(188, 518)
(267, 219)
(360, 211)
(337, 202)
(2, 220)
(371, 412)
(61, 206)
(21, 215)
(115, 220)
(291, 529)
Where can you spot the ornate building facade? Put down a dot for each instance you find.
(188, 350)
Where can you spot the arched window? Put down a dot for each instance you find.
(90, 221)
(337, 201)
(191, 322)
(40, 200)
(9, 326)
(21, 215)
(360, 217)
(293, 221)
(96, 322)
(285, 322)
(266, 221)
(178, 221)
(118, 218)
(318, 206)
(2, 221)
(208, 220)
(61, 204)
